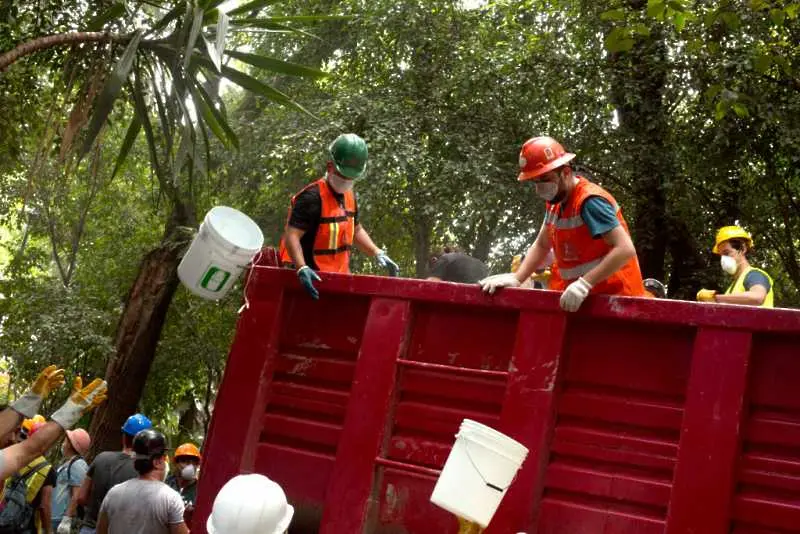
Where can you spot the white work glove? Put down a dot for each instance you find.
(575, 294)
(387, 263)
(48, 380)
(65, 525)
(82, 400)
(495, 282)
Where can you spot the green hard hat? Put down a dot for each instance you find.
(349, 155)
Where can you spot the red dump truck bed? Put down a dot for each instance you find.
(641, 416)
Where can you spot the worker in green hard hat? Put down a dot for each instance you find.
(323, 224)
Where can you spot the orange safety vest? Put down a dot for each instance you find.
(335, 231)
(577, 252)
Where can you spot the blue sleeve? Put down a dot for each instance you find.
(756, 278)
(77, 472)
(599, 215)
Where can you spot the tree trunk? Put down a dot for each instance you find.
(50, 41)
(138, 332)
(422, 245)
(638, 82)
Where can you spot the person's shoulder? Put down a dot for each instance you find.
(757, 276)
(106, 456)
(170, 493)
(121, 488)
(310, 191)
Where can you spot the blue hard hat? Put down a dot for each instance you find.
(135, 424)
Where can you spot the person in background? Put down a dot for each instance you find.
(28, 493)
(184, 476)
(584, 227)
(250, 504)
(144, 504)
(751, 286)
(655, 289)
(82, 400)
(69, 477)
(540, 279)
(323, 224)
(451, 265)
(108, 469)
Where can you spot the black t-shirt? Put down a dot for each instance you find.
(458, 267)
(305, 215)
(107, 470)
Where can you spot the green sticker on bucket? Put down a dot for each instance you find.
(214, 279)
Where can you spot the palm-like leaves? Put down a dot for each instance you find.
(172, 70)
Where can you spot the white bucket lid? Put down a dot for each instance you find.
(512, 447)
(235, 228)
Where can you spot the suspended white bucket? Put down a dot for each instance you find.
(482, 465)
(227, 241)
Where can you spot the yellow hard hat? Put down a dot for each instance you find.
(731, 232)
(516, 261)
(27, 424)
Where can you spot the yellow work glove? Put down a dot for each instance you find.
(82, 400)
(543, 276)
(706, 295)
(48, 380)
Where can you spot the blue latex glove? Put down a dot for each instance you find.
(307, 277)
(386, 262)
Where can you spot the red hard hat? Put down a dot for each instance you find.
(540, 155)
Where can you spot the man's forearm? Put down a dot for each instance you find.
(611, 263)
(46, 513)
(363, 241)
(72, 508)
(17, 456)
(9, 420)
(748, 298)
(533, 260)
(295, 249)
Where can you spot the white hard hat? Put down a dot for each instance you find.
(250, 504)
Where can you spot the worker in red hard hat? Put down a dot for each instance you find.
(583, 225)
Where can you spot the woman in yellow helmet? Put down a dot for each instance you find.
(751, 286)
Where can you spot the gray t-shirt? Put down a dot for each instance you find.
(107, 470)
(142, 507)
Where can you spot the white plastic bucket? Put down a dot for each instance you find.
(227, 241)
(479, 470)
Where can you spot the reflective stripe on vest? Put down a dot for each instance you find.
(570, 223)
(576, 250)
(738, 287)
(335, 232)
(573, 273)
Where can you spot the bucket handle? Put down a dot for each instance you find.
(488, 484)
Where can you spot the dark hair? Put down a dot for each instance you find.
(447, 249)
(739, 244)
(145, 465)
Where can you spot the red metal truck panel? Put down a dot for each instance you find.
(641, 416)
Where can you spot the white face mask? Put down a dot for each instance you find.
(339, 184)
(547, 190)
(728, 264)
(189, 472)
